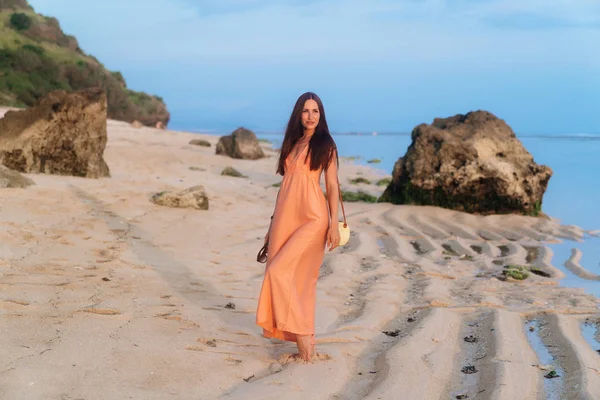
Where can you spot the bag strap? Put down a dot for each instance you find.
(342, 203)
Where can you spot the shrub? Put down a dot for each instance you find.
(360, 179)
(358, 196)
(36, 49)
(20, 21)
(119, 77)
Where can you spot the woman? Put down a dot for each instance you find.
(303, 223)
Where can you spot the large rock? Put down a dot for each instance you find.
(193, 197)
(242, 143)
(471, 163)
(13, 179)
(63, 134)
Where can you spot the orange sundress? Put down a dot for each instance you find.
(286, 305)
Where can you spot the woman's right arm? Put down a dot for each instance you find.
(271, 222)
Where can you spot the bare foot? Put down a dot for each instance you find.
(305, 348)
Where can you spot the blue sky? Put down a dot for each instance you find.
(378, 65)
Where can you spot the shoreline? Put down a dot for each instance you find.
(99, 285)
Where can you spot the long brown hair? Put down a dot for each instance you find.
(321, 146)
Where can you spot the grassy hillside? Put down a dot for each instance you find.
(36, 57)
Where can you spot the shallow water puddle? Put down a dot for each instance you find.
(590, 261)
(590, 330)
(546, 362)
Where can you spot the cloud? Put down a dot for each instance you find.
(404, 58)
(330, 32)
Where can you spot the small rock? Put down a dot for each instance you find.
(248, 378)
(462, 396)
(13, 179)
(230, 305)
(410, 319)
(106, 279)
(200, 142)
(230, 171)
(470, 339)
(469, 369)
(193, 197)
(393, 333)
(531, 328)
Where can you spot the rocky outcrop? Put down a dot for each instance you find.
(49, 30)
(472, 163)
(193, 197)
(242, 143)
(63, 134)
(38, 58)
(13, 179)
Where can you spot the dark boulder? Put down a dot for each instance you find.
(472, 163)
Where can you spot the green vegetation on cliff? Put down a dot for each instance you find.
(36, 57)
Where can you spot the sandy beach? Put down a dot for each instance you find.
(105, 295)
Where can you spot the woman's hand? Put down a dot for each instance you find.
(333, 236)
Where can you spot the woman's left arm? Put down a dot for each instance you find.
(332, 188)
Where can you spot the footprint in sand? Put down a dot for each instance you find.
(295, 358)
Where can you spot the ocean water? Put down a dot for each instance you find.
(573, 194)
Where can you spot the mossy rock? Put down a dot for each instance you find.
(276, 185)
(200, 142)
(374, 161)
(230, 171)
(516, 272)
(360, 179)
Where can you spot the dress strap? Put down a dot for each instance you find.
(342, 203)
